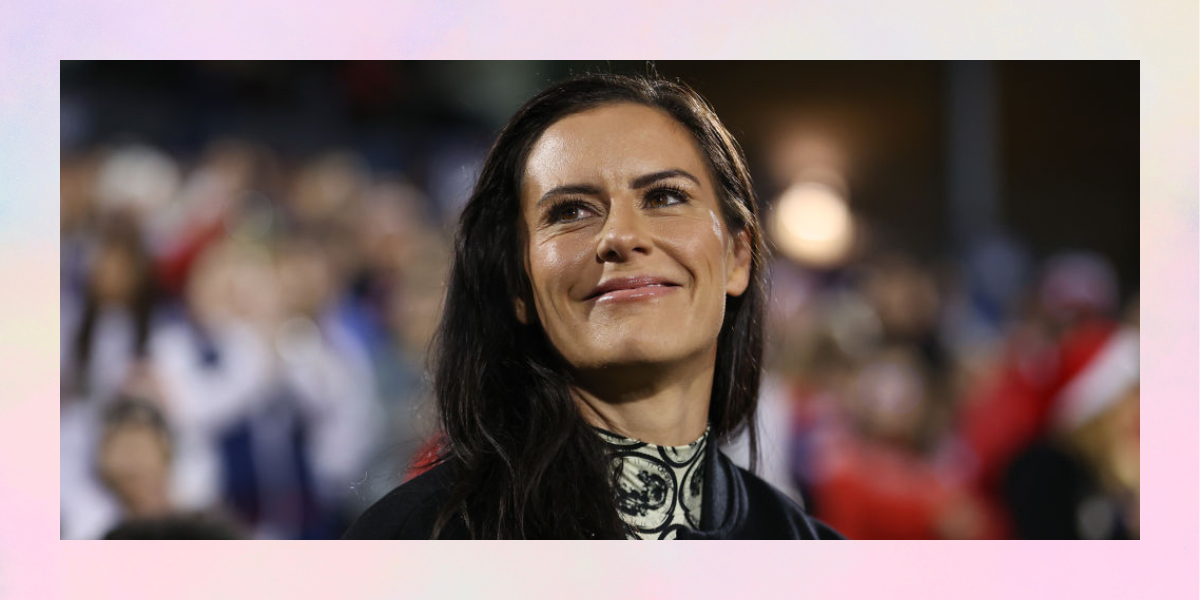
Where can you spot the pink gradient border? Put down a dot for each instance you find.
(35, 36)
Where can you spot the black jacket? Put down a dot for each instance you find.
(737, 505)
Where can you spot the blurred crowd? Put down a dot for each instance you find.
(982, 396)
(242, 341)
(244, 337)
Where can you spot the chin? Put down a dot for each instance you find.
(637, 353)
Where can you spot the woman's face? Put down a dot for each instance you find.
(629, 258)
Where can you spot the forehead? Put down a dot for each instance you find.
(613, 141)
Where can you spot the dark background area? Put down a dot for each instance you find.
(1066, 145)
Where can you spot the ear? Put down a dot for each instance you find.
(737, 265)
(522, 311)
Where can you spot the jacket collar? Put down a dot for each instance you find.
(724, 500)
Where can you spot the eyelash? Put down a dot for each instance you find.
(556, 212)
(668, 189)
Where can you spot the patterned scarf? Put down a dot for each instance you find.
(658, 487)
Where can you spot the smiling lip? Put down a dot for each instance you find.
(631, 288)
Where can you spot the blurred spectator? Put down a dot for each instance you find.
(105, 333)
(1009, 414)
(109, 329)
(292, 461)
(1080, 479)
(135, 458)
(136, 179)
(875, 476)
(134, 463)
(228, 192)
(215, 362)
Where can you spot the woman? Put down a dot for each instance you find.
(602, 331)
(113, 328)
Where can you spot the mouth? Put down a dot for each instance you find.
(631, 288)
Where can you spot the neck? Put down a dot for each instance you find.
(660, 405)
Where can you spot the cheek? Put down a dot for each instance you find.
(553, 266)
(545, 268)
(701, 246)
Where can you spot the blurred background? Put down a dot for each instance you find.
(253, 258)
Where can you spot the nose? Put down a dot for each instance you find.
(624, 234)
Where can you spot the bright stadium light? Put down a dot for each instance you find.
(812, 225)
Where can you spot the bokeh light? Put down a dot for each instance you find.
(813, 225)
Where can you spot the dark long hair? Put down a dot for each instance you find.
(120, 233)
(529, 466)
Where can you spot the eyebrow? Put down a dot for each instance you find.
(652, 178)
(637, 184)
(583, 190)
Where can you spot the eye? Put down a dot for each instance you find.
(660, 197)
(567, 211)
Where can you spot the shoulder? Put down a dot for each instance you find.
(407, 512)
(771, 514)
